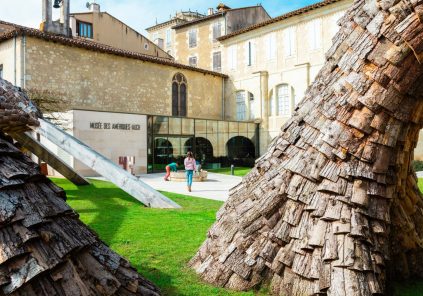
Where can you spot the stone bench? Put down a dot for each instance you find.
(180, 176)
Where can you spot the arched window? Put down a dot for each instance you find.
(241, 107)
(283, 100)
(179, 95)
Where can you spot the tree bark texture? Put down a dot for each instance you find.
(333, 207)
(44, 248)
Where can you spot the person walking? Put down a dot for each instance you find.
(190, 167)
(172, 167)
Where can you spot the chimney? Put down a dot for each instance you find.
(60, 26)
(210, 11)
(93, 7)
(222, 7)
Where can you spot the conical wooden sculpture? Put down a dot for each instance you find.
(333, 207)
(44, 248)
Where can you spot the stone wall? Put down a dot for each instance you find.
(111, 31)
(10, 59)
(205, 44)
(105, 82)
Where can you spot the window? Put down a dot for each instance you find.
(232, 58)
(217, 61)
(315, 34)
(240, 105)
(168, 38)
(289, 42)
(192, 38)
(179, 95)
(252, 105)
(217, 31)
(85, 30)
(1, 71)
(146, 46)
(192, 61)
(250, 53)
(284, 100)
(160, 42)
(271, 46)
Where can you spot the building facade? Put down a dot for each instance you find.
(271, 64)
(126, 105)
(104, 28)
(195, 42)
(163, 35)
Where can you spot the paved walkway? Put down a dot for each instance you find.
(216, 187)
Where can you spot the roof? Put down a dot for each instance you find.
(164, 24)
(279, 18)
(16, 111)
(76, 14)
(212, 16)
(10, 30)
(45, 249)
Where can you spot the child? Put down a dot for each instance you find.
(190, 167)
(172, 167)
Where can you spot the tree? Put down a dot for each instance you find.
(51, 103)
(333, 207)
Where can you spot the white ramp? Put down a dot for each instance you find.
(105, 167)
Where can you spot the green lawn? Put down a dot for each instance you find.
(239, 171)
(159, 243)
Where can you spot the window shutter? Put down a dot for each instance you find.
(273, 45)
(253, 52)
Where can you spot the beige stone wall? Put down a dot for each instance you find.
(109, 30)
(10, 59)
(296, 70)
(105, 82)
(205, 45)
(161, 32)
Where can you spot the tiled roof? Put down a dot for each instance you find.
(279, 18)
(45, 249)
(164, 24)
(16, 111)
(10, 30)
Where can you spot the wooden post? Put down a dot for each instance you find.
(50, 158)
(105, 167)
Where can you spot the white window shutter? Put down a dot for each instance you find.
(247, 53)
(286, 43)
(253, 52)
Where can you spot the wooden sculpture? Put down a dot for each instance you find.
(333, 207)
(44, 248)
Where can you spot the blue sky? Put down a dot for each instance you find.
(139, 14)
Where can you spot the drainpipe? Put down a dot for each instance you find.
(14, 60)
(223, 98)
(23, 61)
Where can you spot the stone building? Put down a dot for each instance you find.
(125, 104)
(271, 64)
(163, 35)
(104, 28)
(195, 42)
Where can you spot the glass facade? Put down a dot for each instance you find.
(215, 143)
